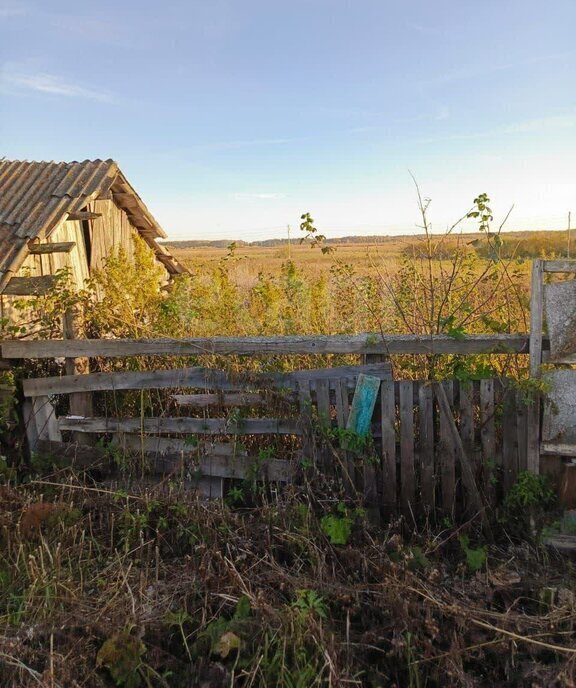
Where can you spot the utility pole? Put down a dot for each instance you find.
(569, 218)
(289, 244)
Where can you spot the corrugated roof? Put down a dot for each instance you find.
(35, 197)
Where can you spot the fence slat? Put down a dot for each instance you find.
(196, 426)
(522, 433)
(197, 378)
(44, 416)
(181, 462)
(305, 421)
(342, 403)
(323, 402)
(488, 436)
(447, 455)
(466, 426)
(156, 444)
(407, 477)
(509, 441)
(342, 412)
(370, 343)
(325, 421)
(30, 425)
(388, 425)
(426, 448)
(226, 400)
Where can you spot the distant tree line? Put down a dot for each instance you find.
(525, 244)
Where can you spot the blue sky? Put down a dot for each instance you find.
(232, 117)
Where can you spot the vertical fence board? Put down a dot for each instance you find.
(30, 425)
(466, 407)
(342, 402)
(342, 412)
(324, 420)
(488, 436)
(81, 403)
(447, 456)
(323, 402)
(522, 432)
(388, 425)
(407, 475)
(45, 418)
(305, 402)
(427, 477)
(509, 441)
(536, 332)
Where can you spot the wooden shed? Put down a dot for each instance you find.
(56, 215)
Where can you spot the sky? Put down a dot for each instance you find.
(231, 118)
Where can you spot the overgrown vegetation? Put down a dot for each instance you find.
(155, 588)
(136, 587)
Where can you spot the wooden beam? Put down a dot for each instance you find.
(551, 449)
(97, 382)
(83, 215)
(56, 247)
(30, 286)
(313, 344)
(125, 199)
(226, 400)
(80, 455)
(558, 265)
(81, 403)
(208, 465)
(536, 334)
(195, 426)
(195, 378)
(154, 445)
(214, 466)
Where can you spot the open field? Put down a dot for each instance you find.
(365, 253)
(269, 259)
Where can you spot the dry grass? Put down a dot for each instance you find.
(157, 588)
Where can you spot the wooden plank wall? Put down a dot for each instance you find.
(109, 232)
(48, 264)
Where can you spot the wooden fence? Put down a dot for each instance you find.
(274, 427)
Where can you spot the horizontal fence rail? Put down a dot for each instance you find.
(373, 343)
(195, 378)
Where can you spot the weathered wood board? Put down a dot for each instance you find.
(296, 344)
(196, 378)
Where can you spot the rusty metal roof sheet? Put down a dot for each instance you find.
(35, 197)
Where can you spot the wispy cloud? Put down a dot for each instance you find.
(104, 30)
(13, 8)
(425, 30)
(529, 126)
(470, 73)
(552, 123)
(250, 143)
(263, 196)
(50, 84)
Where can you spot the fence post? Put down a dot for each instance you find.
(80, 402)
(536, 327)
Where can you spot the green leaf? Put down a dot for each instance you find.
(337, 528)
